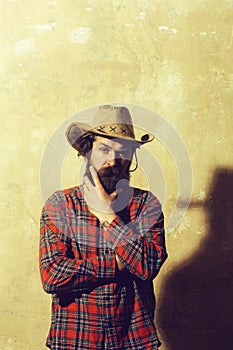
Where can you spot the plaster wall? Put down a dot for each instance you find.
(173, 57)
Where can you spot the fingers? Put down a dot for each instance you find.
(113, 195)
(95, 176)
(98, 186)
(87, 183)
(120, 265)
(98, 189)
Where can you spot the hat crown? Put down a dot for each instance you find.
(108, 121)
(115, 120)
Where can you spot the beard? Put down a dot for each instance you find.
(115, 178)
(110, 177)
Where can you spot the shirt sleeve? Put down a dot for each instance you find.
(140, 244)
(60, 269)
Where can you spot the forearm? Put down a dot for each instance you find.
(140, 244)
(141, 258)
(60, 272)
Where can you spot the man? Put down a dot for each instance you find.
(102, 244)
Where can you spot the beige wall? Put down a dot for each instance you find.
(173, 57)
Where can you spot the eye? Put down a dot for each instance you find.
(104, 150)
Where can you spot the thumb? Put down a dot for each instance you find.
(113, 195)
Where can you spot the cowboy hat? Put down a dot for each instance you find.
(108, 121)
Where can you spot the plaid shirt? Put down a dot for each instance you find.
(94, 305)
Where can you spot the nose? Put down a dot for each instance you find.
(111, 161)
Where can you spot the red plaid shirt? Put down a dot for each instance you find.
(94, 305)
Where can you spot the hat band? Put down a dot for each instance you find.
(115, 129)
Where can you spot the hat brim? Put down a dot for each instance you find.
(77, 129)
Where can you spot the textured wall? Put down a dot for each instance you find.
(174, 57)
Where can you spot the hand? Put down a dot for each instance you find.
(120, 265)
(98, 200)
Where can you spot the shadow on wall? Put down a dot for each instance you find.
(196, 303)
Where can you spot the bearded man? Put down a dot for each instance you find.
(102, 244)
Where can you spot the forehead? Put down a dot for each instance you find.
(116, 144)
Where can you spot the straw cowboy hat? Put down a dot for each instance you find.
(108, 121)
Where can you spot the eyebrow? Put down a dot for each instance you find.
(122, 149)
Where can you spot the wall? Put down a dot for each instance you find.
(173, 57)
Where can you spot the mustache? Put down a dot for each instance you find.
(110, 171)
(111, 176)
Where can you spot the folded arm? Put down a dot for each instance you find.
(60, 269)
(140, 245)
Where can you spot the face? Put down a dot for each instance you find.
(111, 158)
(109, 152)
